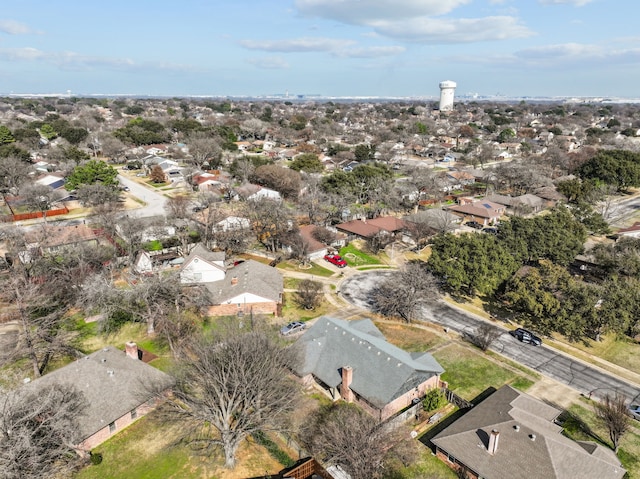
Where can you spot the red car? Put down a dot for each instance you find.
(335, 259)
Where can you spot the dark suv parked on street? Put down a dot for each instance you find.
(526, 336)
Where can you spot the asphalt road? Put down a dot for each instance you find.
(155, 202)
(545, 360)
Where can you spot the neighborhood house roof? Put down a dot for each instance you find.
(480, 209)
(370, 228)
(249, 277)
(113, 384)
(382, 372)
(530, 445)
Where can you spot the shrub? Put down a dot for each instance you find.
(433, 400)
(96, 458)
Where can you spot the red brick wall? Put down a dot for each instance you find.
(122, 422)
(232, 309)
(456, 466)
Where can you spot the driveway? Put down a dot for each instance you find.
(580, 376)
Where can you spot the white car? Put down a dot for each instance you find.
(634, 410)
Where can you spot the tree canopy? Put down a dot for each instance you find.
(91, 172)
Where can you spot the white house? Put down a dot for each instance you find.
(232, 223)
(203, 266)
(265, 193)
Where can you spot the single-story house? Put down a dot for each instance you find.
(511, 434)
(253, 192)
(233, 223)
(118, 387)
(484, 211)
(54, 239)
(368, 228)
(527, 203)
(52, 181)
(353, 361)
(247, 287)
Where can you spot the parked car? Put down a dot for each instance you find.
(491, 230)
(526, 336)
(474, 224)
(335, 259)
(292, 328)
(634, 410)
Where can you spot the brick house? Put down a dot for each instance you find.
(352, 361)
(485, 212)
(247, 287)
(511, 434)
(119, 389)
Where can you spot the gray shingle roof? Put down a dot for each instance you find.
(113, 384)
(382, 372)
(519, 418)
(199, 251)
(253, 277)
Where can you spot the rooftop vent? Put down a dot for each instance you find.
(516, 427)
(532, 437)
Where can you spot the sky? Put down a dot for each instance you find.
(340, 48)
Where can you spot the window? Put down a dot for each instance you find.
(112, 427)
(134, 414)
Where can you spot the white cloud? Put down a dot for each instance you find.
(577, 3)
(14, 28)
(576, 55)
(76, 62)
(463, 30)
(307, 44)
(361, 12)
(419, 21)
(269, 63)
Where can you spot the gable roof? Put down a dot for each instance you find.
(370, 228)
(382, 372)
(113, 384)
(530, 444)
(252, 277)
(211, 257)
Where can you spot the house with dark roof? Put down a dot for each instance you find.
(247, 287)
(118, 387)
(511, 434)
(352, 361)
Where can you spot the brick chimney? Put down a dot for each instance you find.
(345, 387)
(131, 349)
(234, 281)
(493, 441)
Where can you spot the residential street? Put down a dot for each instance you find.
(155, 202)
(583, 377)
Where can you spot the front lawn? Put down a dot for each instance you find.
(409, 337)
(292, 311)
(310, 269)
(470, 372)
(356, 257)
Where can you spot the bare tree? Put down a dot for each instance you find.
(39, 198)
(403, 291)
(613, 414)
(37, 429)
(344, 435)
(485, 335)
(203, 148)
(236, 384)
(157, 175)
(14, 172)
(309, 294)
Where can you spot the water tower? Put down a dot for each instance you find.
(447, 90)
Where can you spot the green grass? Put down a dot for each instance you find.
(291, 283)
(427, 466)
(521, 383)
(315, 269)
(291, 311)
(469, 373)
(355, 257)
(145, 451)
(366, 268)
